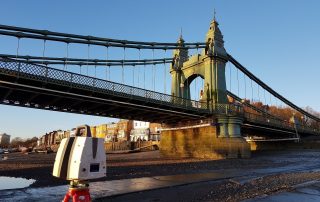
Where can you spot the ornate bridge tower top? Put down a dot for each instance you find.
(179, 55)
(214, 41)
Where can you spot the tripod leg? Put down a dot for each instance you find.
(75, 198)
(66, 197)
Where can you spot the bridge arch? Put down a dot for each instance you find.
(187, 83)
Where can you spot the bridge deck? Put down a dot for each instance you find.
(37, 86)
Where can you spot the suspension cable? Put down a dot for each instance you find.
(238, 82)
(107, 57)
(43, 51)
(18, 47)
(78, 61)
(109, 71)
(245, 86)
(139, 69)
(93, 63)
(230, 79)
(28, 57)
(88, 59)
(270, 99)
(251, 91)
(67, 56)
(165, 73)
(73, 38)
(270, 90)
(122, 69)
(133, 80)
(153, 72)
(258, 92)
(144, 76)
(133, 67)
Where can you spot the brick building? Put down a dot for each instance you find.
(4, 139)
(112, 131)
(124, 129)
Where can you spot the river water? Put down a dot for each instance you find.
(14, 183)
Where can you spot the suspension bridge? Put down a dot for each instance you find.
(130, 80)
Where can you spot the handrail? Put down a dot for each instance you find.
(267, 120)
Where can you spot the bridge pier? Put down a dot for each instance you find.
(229, 126)
(223, 127)
(234, 126)
(216, 141)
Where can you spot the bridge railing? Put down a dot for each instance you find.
(266, 120)
(307, 129)
(51, 75)
(269, 121)
(229, 109)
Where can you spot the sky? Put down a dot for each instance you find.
(276, 40)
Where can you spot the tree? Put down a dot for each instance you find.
(16, 142)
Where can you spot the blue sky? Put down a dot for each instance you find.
(276, 40)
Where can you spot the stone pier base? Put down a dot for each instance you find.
(202, 142)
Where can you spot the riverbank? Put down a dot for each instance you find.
(264, 173)
(124, 166)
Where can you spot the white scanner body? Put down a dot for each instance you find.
(80, 158)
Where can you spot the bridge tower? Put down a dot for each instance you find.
(209, 65)
(220, 136)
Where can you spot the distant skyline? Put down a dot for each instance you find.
(278, 41)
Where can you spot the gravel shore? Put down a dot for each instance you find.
(226, 190)
(123, 166)
(145, 164)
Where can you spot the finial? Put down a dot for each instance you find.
(214, 14)
(180, 32)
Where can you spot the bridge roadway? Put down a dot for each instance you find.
(41, 87)
(37, 86)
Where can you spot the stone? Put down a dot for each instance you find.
(202, 142)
